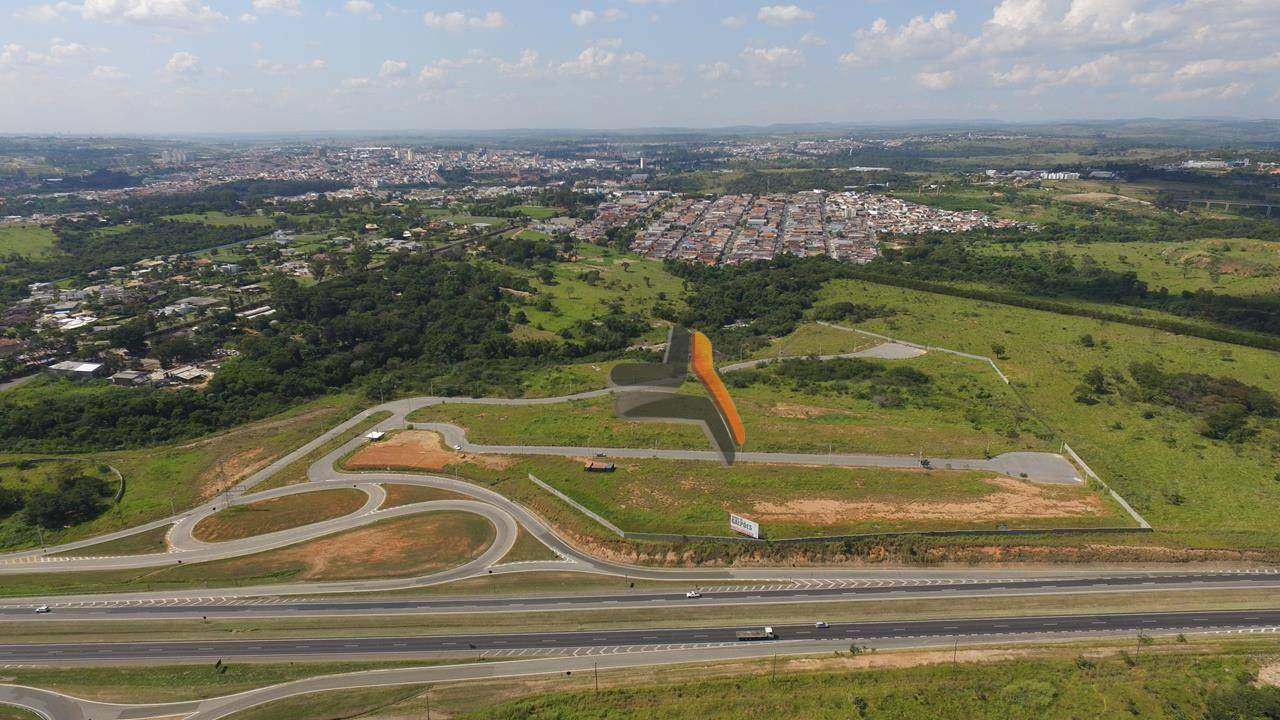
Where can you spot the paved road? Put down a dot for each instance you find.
(801, 592)
(883, 351)
(417, 645)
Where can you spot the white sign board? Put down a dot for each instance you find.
(744, 526)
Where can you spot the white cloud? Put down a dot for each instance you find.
(774, 57)
(920, 37)
(935, 80)
(1222, 66)
(1229, 91)
(585, 17)
(184, 14)
(393, 69)
(108, 72)
(272, 68)
(248, 18)
(1105, 70)
(733, 21)
(46, 13)
(355, 83)
(60, 52)
(717, 71)
(317, 64)
(10, 54)
(784, 14)
(526, 66)
(431, 73)
(359, 7)
(183, 64)
(286, 7)
(590, 63)
(813, 40)
(1017, 75)
(455, 21)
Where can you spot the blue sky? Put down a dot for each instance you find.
(157, 66)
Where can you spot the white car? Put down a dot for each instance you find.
(457, 448)
(693, 594)
(821, 624)
(42, 609)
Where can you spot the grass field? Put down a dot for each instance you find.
(296, 471)
(1159, 686)
(690, 497)
(576, 296)
(399, 494)
(175, 683)
(528, 548)
(1235, 266)
(29, 241)
(400, 547)
(1151, 454)
(282, 513)
(333, 705)
(16, 713)
(143, 543)
(814, 339)
(219, 219)
(186, 473)
(538, 212)
(966, 412)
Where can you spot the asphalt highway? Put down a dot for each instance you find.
(868, 632)
(754, 595)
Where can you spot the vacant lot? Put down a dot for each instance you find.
(964, 410)
(401, 494)
(668, 496)
(28, 241)
(276, 514)
(1235, 266)
(1194, 490)
(414, 449)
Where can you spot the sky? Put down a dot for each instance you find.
(177, 66)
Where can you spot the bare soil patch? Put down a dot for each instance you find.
(417, 450)
(1012, 499)
(791, 410)
(278, 514)
(230, 471)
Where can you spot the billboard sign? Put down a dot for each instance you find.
(744, 526)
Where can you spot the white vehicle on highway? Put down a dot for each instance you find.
(821, 624)
(693, 594)
(42, 609)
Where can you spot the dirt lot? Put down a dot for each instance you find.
(277, 514)
(1013, 499)
(417, 450)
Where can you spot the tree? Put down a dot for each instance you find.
(1096, 380)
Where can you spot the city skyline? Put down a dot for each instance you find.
(201, 66)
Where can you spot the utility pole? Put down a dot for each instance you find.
(596, 665)
(955, 648)
(775, 666)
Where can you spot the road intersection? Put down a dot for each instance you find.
(627, 648)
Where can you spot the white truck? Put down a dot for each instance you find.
(749, 635)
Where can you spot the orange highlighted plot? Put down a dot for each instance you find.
(704, 369)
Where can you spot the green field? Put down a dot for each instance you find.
(814, 339)
(1154, 687)
(1194, 490)
(180, 475)
(29, 241)
(575, 294)
(692, 497)
(538, 212)
(966, 412)
(219, 219)
(530, 234)
(1235, 266)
